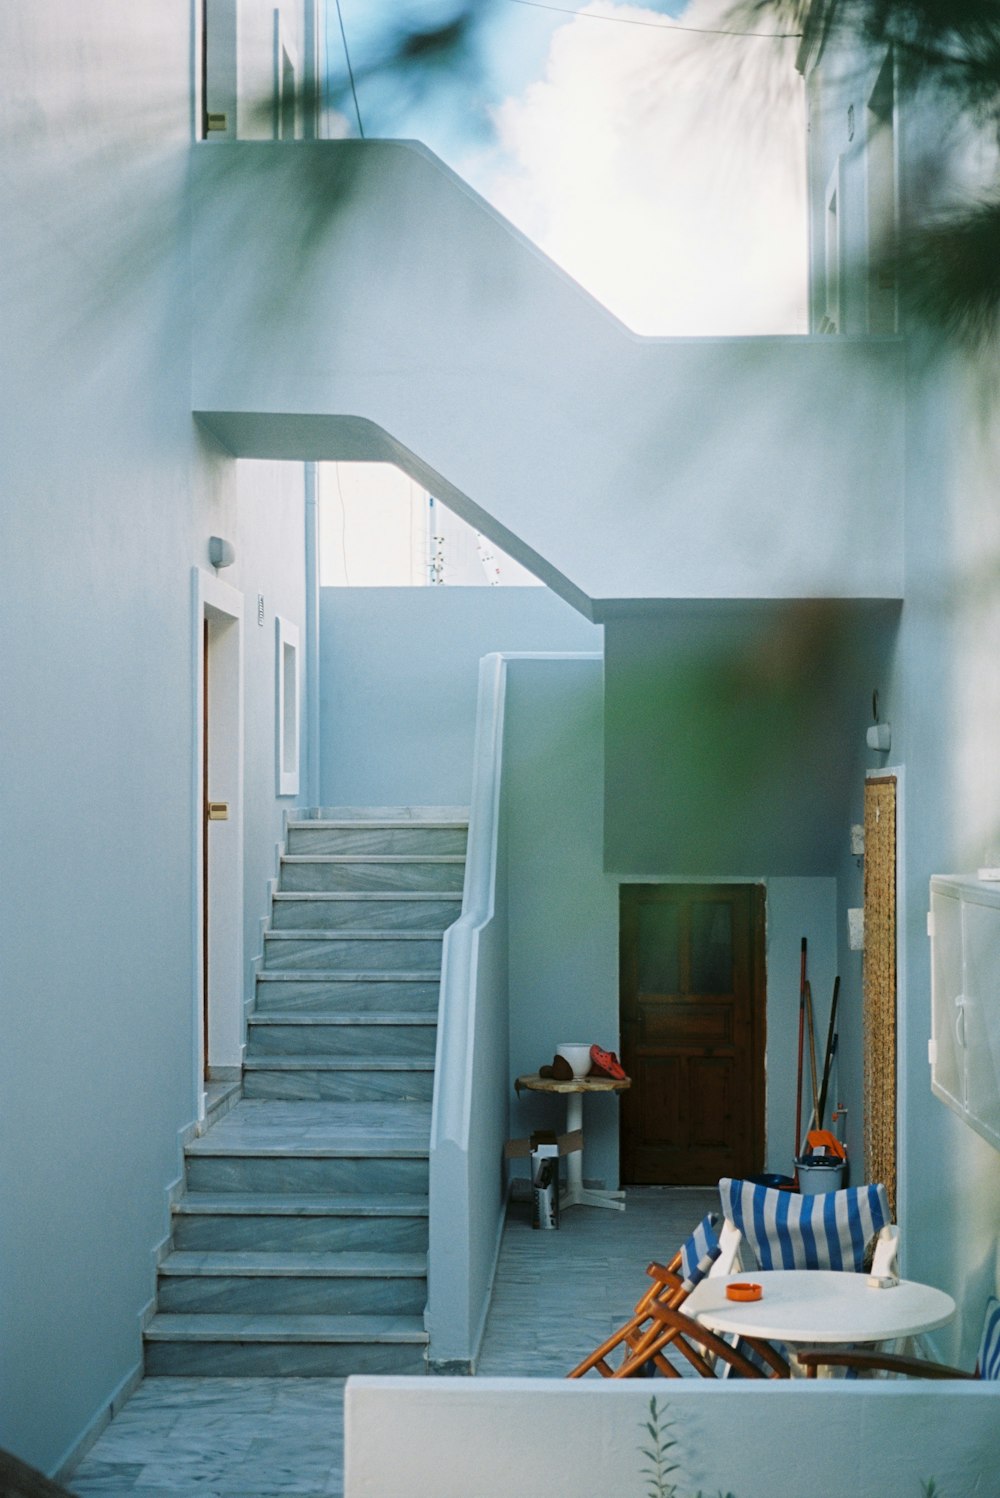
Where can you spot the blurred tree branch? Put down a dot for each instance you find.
(948, 259)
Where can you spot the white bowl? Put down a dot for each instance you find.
(578, 1057)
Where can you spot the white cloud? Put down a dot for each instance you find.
(661, 173)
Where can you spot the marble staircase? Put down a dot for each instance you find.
(299, 1245)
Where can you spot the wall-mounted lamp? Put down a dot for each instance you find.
(221, 553)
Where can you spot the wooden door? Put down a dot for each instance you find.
(692, 1025)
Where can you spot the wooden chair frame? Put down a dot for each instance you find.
(671, 1327)
(657, 1323)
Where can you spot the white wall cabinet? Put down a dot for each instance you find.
(964, 927)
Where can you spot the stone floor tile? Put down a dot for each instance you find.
(557, 1295)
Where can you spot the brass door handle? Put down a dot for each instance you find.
(217, 811)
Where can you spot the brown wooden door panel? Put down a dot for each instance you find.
(710, 1103)
(692, 1025)
(659, 1081)
(683, 1025)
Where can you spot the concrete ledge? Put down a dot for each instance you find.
(454, 1438)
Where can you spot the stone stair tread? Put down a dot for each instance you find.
(199, 1327)
(360, 1017)
(318, 1130)
(409, 815)
(372, 858)
(334, 824)
(359, 1146)
(278, 1061)
(413, 895)
(323, 933)
(264, 1204)
(249, 1263)
(319, 975)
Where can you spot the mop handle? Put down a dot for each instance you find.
(798, 1085)
(828, 1060)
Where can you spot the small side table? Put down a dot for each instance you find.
(575, 1194)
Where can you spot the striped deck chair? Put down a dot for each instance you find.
(705, 1251)
(832, 1230)
(862, 1360)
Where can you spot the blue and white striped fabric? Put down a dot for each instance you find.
(831, 1230)
(988, 1362)
(700, 1251)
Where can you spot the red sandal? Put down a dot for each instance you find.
(606, 1064)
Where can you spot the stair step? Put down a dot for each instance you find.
(327, 1284)
(275, 1345)
(387, 816)
(296, 1266)
(338, 1078)
(296, 1223)
(257, 1203)
(297, 992)
(282, 1062)
(375, 911)
(390, 873)
(321, 1147)
(350, 1035)
(368, 1017)
(286, 1329)
(300, 1232)
(405, 814)
(354, 951)
(371, 836)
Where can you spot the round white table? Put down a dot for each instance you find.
(575, 1194)
(820, 1306)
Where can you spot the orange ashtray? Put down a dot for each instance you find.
(744, 1290)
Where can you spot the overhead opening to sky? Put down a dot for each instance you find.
(655, 162)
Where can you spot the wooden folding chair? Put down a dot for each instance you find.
(866, 1360)
(706, 1251)
(710, 1355)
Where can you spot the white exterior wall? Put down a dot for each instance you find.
(110, 495)
(400, 673)
(752, 1440)
(399, 683)
(612, 466)
(940, 694)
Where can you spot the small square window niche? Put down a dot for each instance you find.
(287, 706)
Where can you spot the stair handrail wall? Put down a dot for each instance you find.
(467, 1195)
(472, 1079)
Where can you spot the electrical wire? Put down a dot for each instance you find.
(350, 71)
(589, 15)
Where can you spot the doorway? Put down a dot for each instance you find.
(692, 1011)
(218, 802)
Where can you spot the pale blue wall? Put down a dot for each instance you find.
(271, 510)
(735, 720)
(939, 690)
(399, 680)
(944, 711)
(564, 913)
(405, 694)
(562, 907)
(110, 496)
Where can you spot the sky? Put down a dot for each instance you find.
(658, 166)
